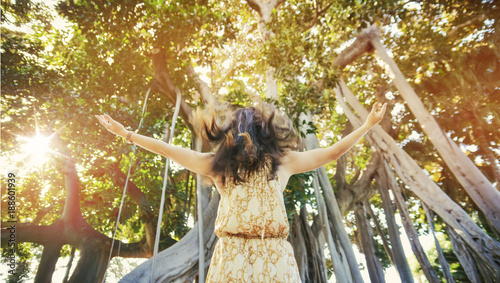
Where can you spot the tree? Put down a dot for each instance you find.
(291, 53)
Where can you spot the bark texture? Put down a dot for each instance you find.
(334, 211)
(411, 232)
(397, 248)
(317, 259)
(342, 273)
(464, 256)
(185, 252)
(367, 247)
(484, 194)
(442, 261)
(485, 249)
(385, 242)
(300, 249)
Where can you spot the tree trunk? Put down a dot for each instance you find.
(358, 190)
(70, 262)
(442, 261)
(319, 239)
(338, 225)
(397, 248)
(92, 264)
(484, 194)
(163, 83)
(411, 232)
(385, 243)
(366, 238)
(300, 249)
(50, 255)
(305, 247)
(185, 252)
(485, 248)
(341, 274)
(317, 266)
(271, 85)
(311, 142)
(464, 257)
(265, 9)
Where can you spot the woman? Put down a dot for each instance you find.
(250, 169)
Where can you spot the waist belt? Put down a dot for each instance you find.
(246, 236)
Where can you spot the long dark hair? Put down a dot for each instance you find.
(248, 140)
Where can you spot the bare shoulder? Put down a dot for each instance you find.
(285, 159)
(197, 162)
(205, 159)
(290, 158)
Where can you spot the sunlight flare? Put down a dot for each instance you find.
(37, 148)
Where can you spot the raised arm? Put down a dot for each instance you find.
(192, 160)
(296, 162)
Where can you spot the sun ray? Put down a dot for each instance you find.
(37, 129)
(36, 150)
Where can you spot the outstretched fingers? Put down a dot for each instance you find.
(102, 120)
(105, 120)
(377, 113)
(381, 108)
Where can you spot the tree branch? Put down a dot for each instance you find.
(164, 84)
(228, 72)
(481, 17)
(50, 255)
(317, 13)
(360, 46)
(204, 90)
(32, 233)
(135, 193)
(42, 212)
(356, 193)
(71, 213)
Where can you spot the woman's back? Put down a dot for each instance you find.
(252, 227)
(253, 209)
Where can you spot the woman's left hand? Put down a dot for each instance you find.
(376, 114)
(112, 125)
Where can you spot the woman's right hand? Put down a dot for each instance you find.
(112, 125)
